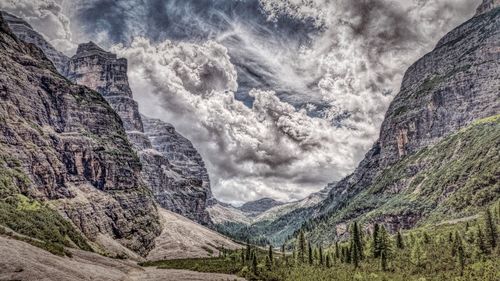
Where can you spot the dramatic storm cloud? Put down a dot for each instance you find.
(279, 96)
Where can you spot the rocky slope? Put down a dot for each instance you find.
(62, 144)
(172, 168)
(259, 206)
(423, 156)
(21, 261)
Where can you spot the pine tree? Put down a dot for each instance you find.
(385, 248)
(491, 230)
(418, 255)
(375, 246)
(460, 253)
(328, 263)
(248, 250)
(348, 254)
(357, 240)
(310, 254)
(337, 250)
(254, 264)
(283, 255)
(320, 256)
(354, 254)
(270, 255)
(242, 256)
(302, 247)
(483, 249)
(269, 264)
(399, 241)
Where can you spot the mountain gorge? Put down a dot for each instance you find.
(91, 188)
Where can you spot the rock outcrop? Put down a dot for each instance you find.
(72, 146)
(25, 32)
(171, 166)
(259, 206)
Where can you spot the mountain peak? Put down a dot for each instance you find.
(91, 49)
(260, 205)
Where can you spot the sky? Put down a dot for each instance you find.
(280, 97)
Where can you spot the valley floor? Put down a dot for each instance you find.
(22, 261)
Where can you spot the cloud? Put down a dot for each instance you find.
(47, 17)
(269, 149)
(279, 96)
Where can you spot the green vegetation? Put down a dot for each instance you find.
(32, 221)
(453, 179)
(461, 251)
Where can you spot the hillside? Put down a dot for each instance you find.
(433, 160)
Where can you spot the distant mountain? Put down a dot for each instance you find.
(259, 206)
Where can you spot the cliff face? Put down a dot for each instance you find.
(172, 168)
(71, 145)
(442, 93)
(189, 185)
(25, 32)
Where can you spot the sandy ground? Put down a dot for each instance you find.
(22, 261)
(183, 238)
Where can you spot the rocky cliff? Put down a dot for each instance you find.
(189, 185)
(26, 33)
(67, 147)
(398, 182)
(172, 168)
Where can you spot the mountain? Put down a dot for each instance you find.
(77, 165)
(189, 185)
(25, 32)
(172, 168)
(437, 154)
(259, 206)
(63, 148)
(269, 224)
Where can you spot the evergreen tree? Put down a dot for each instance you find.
(254, 264)
(328, 263)
(399, 241)
(269, 264)
(248, 250)
(385, 248)
(460, 253)
(283, 255)
(270, 255)
(483, 249)
(418, 255)
(491, 230)
(242, 256)
(320, 256)
(310, 254)
(354, 254)
(348, 254)
(337, 250)
(301, 247)
(357, 240)
(375, 246)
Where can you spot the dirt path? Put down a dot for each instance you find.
(153, 274)
(22, 261)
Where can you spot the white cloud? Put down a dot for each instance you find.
(47, 17)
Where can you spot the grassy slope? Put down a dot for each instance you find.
(42, 226)
(455, 178)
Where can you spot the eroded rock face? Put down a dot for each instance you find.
(25, 32)
(171, 166)
(68, 139)
(184, 186)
